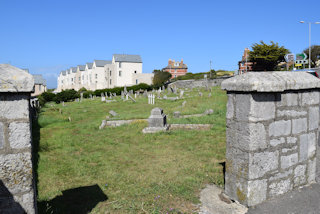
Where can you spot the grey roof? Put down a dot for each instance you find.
(39, 80)
(89, 65)
(74, 69)
(63, 73)
(127, 58)
(101, 63)
(183, 66)
(81, 67)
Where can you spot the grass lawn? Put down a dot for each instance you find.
(83, 169)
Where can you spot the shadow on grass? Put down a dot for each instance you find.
(79, 200)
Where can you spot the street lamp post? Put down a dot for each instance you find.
(310, 39)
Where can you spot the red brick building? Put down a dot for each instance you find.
(245, 65)
(176, 68)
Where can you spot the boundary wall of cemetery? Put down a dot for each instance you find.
(197, 83)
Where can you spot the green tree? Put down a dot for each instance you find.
(160, 77)
(266, 57)
(315, 54)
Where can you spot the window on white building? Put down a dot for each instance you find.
(120, 73)
(110, 81)
(96, 76)
(135, 72)
(110, 73)
(136, 82)
(39, 87)
(119, 64)
(82, 77)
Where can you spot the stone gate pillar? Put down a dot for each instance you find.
(17, 190)
(272, 134)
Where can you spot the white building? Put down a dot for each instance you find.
(122, 70)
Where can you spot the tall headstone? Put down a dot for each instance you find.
(17, 184)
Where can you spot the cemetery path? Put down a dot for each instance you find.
(301, 201)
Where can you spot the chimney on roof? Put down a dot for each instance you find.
(181, 62)
(169, 62)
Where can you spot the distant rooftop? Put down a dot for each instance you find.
(39, 80)
(102, 63)
(89, 64)
(74, 69)
(127, 58)
(81, 67)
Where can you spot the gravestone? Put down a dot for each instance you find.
(157, 122)
(176, 114)
(113, 113)
(181, 94)
(200, 94)
(165, 97)
(145, 94)
(81, 97)
(122, 95)
(103, 124)
(209, 95)
(184, 103)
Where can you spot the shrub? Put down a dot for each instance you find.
(66, 95)
(46, 97)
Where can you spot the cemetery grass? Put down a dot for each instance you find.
(137, 173)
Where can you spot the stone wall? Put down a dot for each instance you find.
(272, 134)
(197, 83)
(17, 191)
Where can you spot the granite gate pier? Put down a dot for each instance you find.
(17, 188)
(272, 134)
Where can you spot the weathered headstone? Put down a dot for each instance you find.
(209, 95)
(176, 114)
(113, 113)
(157, 121)
(122, 95)
(184, 103)
(81, 97)
(165, 97)
(181, 93)
(103, 124)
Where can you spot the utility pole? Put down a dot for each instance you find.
(210, 69)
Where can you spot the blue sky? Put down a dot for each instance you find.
(51, 35)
